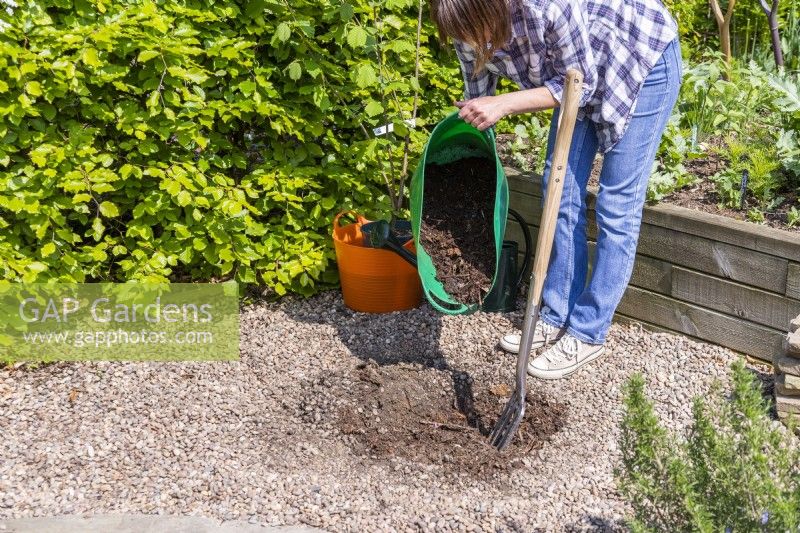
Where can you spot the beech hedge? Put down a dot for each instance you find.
(202, 140)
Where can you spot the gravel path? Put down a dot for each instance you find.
(263, 439)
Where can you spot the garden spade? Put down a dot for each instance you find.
(510, 419)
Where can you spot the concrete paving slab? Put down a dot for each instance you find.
(131, 523)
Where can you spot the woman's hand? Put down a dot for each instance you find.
(485, 111)
(482, 112)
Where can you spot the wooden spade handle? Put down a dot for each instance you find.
(573, 87)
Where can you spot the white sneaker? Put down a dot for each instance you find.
(564, 357)
(543, 334)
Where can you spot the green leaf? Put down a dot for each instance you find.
(295, 70)
(97, 229)
(186, 255)
(346, 11)
(171, 186)
(48, 249)
(90, 57)
(146, 55)
(283, 32)
(48, 111)
(37, 267)
(152, 102)
(400, 128)
(357, 37)
(196, 76)
(247, 87)
(373, 108)
(365, 75)
(109, 209)
(184, 198)
(33, 88)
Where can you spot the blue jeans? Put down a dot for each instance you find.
(587, 309)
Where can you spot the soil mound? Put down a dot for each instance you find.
(439, 417)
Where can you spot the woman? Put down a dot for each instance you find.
(629, 55)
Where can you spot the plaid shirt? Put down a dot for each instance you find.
(614, 43)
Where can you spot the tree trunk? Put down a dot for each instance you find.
(772, 16)
(725, 41)
(724, 25)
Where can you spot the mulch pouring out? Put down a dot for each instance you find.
(438, 417)
(457, 227)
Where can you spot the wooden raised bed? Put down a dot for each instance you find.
(726, 281)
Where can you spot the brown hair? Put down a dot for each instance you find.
(472, 21)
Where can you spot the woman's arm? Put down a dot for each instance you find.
(567, 37)
(484, 112)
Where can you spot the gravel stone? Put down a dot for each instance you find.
(793, 343)
(257, 439)
(787, 384)
(787, 404)
(788, 365)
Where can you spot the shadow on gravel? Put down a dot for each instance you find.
(403, 398)
(386, 338)
(595, 523)
(399, 338)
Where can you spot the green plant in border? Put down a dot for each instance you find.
(756, 215)
(734, 471)
(793, 217)
(754, 114)
(530, 138)
(764, 176)
(788, 149)
(762, 165)
(787, 99)
(710, 105)
(790, 37)
(669, 173)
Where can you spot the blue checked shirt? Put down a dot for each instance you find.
(614, 43)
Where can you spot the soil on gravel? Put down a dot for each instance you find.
(438, 417)
(457, 225)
